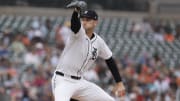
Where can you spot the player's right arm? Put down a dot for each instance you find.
(79, 7)
(76, 27)
(75, 21)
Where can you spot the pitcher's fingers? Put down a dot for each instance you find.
(122, 93)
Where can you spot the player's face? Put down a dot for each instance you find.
(88, 24)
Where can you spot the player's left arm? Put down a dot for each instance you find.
(113, 68)
(119, 89)
(106, 54)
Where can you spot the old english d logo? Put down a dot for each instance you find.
(94, 53)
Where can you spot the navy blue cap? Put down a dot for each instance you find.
(89, 14)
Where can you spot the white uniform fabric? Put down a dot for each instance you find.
(77, 57)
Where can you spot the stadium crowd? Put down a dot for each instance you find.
(27, 61)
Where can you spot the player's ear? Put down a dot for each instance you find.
(95, 22)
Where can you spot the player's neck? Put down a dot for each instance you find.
(89, 33)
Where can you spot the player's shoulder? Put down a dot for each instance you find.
(98, 37)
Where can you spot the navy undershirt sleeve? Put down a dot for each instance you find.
(75, 22)
(114, 70)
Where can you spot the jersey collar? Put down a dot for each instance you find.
(93, 37)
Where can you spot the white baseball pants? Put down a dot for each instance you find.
(65, 88)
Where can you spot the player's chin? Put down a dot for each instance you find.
(86, 28)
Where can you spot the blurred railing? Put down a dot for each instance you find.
(123, 5)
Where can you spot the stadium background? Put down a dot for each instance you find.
(143, 34)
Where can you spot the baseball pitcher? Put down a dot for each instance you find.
(83, 47)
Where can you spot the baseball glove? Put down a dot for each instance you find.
(81, 5)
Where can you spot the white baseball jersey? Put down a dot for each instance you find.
(80, 53)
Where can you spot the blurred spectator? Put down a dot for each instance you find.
(92, 75)
(136, 94)
(146, 26)
(178, 90)
(37, 36)
(30, 33)
(143, 26)
(25, 40)
(16, 93)
(162, 84)
(62, 34)
(136, 27)
(36, 32)
(3, 95)
(17, 48)
(10, 83)
(3, 51)
(177, 74)
(39, 79)
(31, 58)
(25, 95)
(55, 58)
(27, 76)
(45, 28)
(158, 36)
(156, 61)
(7, 36)
(169, 37)
(125, 61)
(39, 50)
(177, 31)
